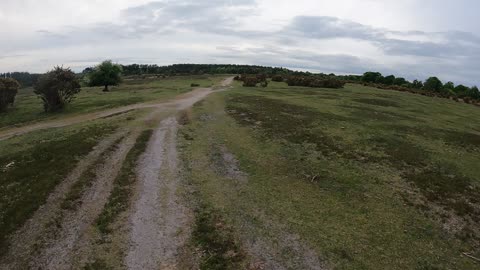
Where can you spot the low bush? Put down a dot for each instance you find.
(310, 81)
(57, 88)
(8, 91)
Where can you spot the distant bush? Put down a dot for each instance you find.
(194, 85)
(264, 83)
(277, 78)
(310, 81)
(8, 91)
(57, 88)
(250, 82)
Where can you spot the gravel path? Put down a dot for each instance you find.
(159, 222)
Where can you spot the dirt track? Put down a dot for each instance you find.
(180, 102)
(157, 226)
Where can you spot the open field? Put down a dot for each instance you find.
(241, 178)
(361, 178)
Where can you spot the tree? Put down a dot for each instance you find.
(417, 84)
(372, 77)
(389, 80)
(433, 84)
(57, 88)
(8, 91)
(399, 81)
(449, 86)
(105, 74)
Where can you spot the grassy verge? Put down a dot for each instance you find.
(119, 199)
(334, 166)
(34, 164)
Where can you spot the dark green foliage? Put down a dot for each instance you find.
(119, 199)
(105, 74)
(24, 78)
(8, 91)
(372, 77)
(433, 84)
(310, 81)
(194, 85)
(277, 78)
(250, 82)
(57, 88)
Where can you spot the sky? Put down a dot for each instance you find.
(415, 39)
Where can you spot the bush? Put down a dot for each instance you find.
(8, 91)
(57, 88)
(194, 85)
(315, 82)
(250, 82)
(264, 83)
(277, 78)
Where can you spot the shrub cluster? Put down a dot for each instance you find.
(57, 88)
(8, 91)
(253, 80)
(310, 81)
(277, 78)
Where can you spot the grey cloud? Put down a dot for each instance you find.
(320, 27)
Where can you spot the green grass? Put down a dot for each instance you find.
(38, 162)
(120, 197)
(73, 197)
(364, 176)
(29, 108)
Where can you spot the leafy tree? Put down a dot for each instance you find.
(105, 74)
(474, 93)
(449, 86)
(417, 84)
(433, 84)
(400, 81)
(371, 77)
(57, 88)
(461, 90)
(389, 80)
(8, 91)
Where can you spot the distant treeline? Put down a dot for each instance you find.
(198, 69)
(24, 78)
(432, 86)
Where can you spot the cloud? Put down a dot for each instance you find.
(241, 31)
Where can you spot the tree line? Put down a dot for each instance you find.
(432, 86)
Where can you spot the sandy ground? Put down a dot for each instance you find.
(159, 221)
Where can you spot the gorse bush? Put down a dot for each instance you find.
(8, 91)
(311, 81)
(57, 88)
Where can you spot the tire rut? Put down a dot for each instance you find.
(27, 240)
(159, 221)
(67, 249)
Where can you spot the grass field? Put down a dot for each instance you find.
(29, 108)
(353, 178)
(367, 178)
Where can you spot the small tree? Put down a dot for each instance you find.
(433, 84)
(105, 74)
(57, 88)
(8, 91)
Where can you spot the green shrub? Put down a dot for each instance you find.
(8, 91)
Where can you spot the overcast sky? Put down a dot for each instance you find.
(411, 38)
